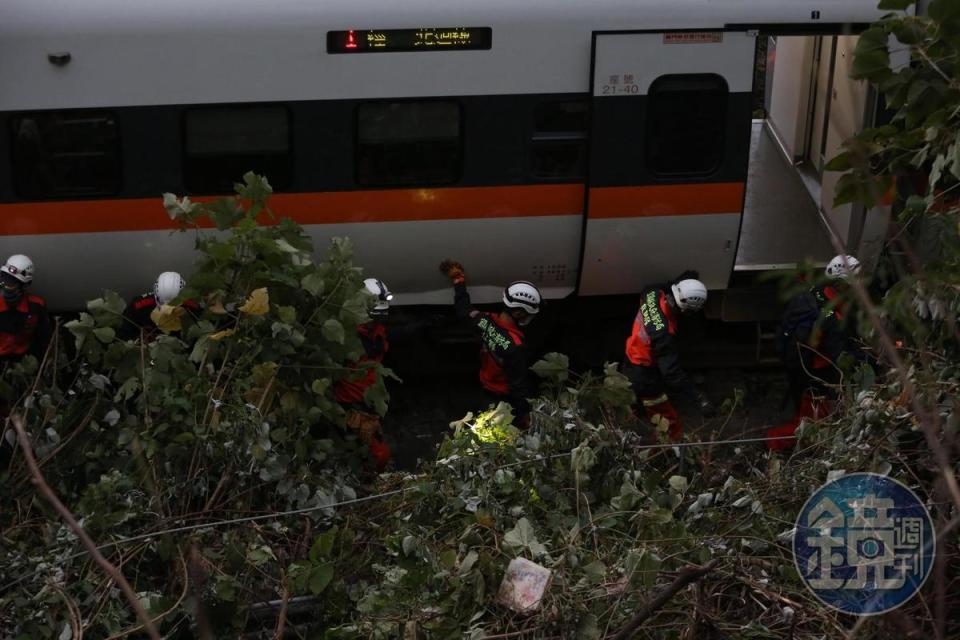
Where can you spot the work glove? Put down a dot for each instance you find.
(453, 270)
(707, 409)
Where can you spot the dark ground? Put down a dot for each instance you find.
(440, 385)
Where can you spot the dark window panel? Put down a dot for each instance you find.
(64, 154)
(408, 143)
(559, 159)
(561, 117)
(223, 143)
(558, 147)
(685, 125)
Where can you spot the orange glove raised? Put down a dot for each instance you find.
(453, 270)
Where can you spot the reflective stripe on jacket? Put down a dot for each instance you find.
(653, 343)
(653, 321)
(504, 365)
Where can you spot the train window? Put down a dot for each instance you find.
(223, 143)
(61, 154)
(408, 143)
(559, 144)
(685, 124)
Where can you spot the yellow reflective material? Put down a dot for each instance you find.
(650, 402)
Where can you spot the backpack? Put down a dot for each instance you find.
(796, 324)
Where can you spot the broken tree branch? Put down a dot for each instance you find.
(687, 575)
(88, 544)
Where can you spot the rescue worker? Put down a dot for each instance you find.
(652, 352)
(167, 287)
(24, 321)
(350, 392)
(504, 363)
(813, 335)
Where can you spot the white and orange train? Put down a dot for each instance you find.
(590, 147)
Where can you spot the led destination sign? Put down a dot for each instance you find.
(424, 39)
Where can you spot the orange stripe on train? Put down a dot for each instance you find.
(666, 200)
(394, 205)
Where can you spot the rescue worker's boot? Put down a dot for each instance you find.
(781, 438)
(659, 410)
(811, 407)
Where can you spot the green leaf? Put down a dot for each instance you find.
(915, 205)
(678, 484)
(642, 567)
(255, 187)
(469, 560)
(840, 162)
(409, 545)
(909, 31)
(355, 308)
(553, 366)
(522, 536)
(225, 587)
(447, 559)
(287, 314)
(872, 65)
(313, 283)
(936, 170)
(944, 11)
(108, 310)
(323, 544)
(333, 331)
(320, 386)
(105, 334)
(320, 577)
(225, 212)
(377, 396)
(954, 153)
(219, 251)
(595, 572)
(588, 628)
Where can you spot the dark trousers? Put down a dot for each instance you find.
(809, 381)
(651, 392)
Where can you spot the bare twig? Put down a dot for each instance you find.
(183, 594)
(687, 575)
(282, 618)
(88, 544)
(73, 610)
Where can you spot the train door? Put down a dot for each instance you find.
(670, 140)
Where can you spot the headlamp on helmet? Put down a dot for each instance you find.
(378, 289)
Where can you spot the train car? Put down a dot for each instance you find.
(590, 147)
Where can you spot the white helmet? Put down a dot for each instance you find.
(522, 295)
(690, 294)
(167, 287)
(377, 288)
(20, 267)
(842, 266)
